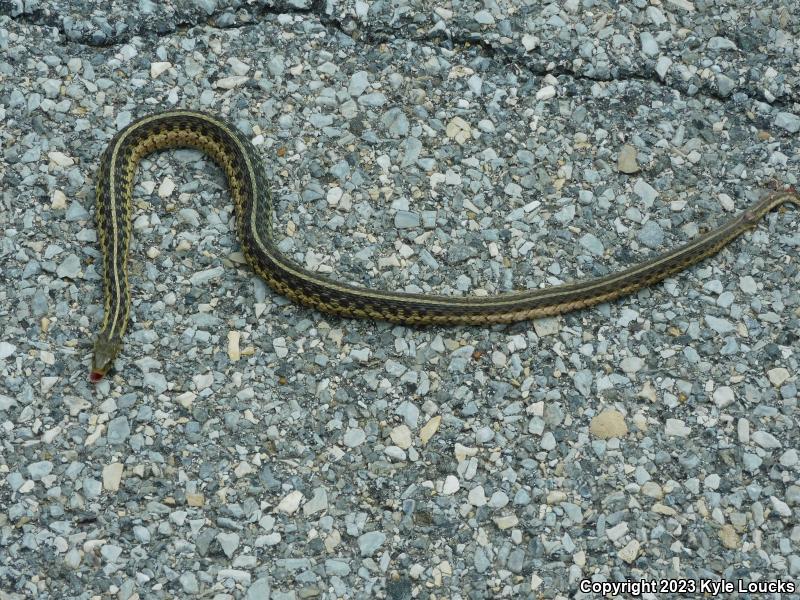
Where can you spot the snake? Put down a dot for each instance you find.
(242, 165)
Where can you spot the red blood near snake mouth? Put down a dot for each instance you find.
(95, 376)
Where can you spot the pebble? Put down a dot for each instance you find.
(369, 542)
(626, 161)
(429, 429)
(484, 17)
(317, 503)
(70, 267)
(7, 349)
(229, 542)
(677, 428)
(477, 496)
(651, 235)
(112, 475)
(118, 430)
(458, 130)
(778, 376)
(203, 277)
(546, 92)
(548, 441)
(662, 67)
(189, 583)
(645, 191)
(631, 364)
(723, 396)
(788, 121)
(592, 244)
(157, 68)
(76, 212)
(405, 219)
(450, 486)
(232, 82)
(506, 521)
(409, 412)
(354, 438)
(40, 469)
(290, 503)
(608, 424)
(729, 537)
(499, 499)
(401, 436)
(789, 459)
(359, 81)
(780, 507)
(259, 589)
(765, 439)
(546, 326)
(721, 326)
(649, 44)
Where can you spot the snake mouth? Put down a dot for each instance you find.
(95, 376)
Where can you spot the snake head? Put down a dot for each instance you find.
(105, 351)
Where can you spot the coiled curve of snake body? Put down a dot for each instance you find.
(234, 153)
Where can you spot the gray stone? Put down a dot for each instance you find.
(260, 590)
(651, 235)
(765, 439)
(484, 17)
(92, 488)
(583, 382)
(189, 583)
(155, 381)
(203, 277)
(70, 267)
(76, 212)
(318, 502)
(721, 326)
(788, 121)
(354, 437)
(725, 85)
(209, 6)
(480, 560)
(337, 567)
(118, 430)
(410, 413)
(721, 43)
(359, 81)
(229, 542)
(405, 219)
(374, 99)
(649, 44)
(369, 542)
(592, 244)
(40, 469)
(395, 122)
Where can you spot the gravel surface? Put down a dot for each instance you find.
(245, 447)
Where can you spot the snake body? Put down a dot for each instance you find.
(242, 165)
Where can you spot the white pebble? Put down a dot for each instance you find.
(7, 349)
(677, 428)
(546, 93)
(723, 396)
(157, 68)
(290, 503)
(778, 375)
(450, 486)
(476, 496)
(401, 436)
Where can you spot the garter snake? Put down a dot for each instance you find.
(237, 157)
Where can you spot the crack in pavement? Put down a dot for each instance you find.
(533, 62)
